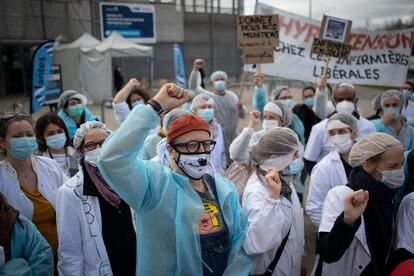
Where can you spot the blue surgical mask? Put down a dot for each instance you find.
(220, 85)
(22, 148)
(206, 114)
(288, 102)
(295, 167)
(75, 111)
(57, 141)
(139, 102)
(395, 110)
(310, 102)
(407, 93)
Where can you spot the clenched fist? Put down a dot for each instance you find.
(198, 64)
(274, 183)
(254, 119)
(171, 96)
(355, 204)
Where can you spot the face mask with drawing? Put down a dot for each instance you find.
(194, 165)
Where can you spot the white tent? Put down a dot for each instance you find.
(86, 63)
(68, 56)
(96, 65)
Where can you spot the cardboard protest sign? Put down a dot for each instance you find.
(258, 31)
(379, 57)
(258, 55)
(330, 48)
(333, 37)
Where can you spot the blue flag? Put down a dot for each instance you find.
(42, 61)
(179, 66)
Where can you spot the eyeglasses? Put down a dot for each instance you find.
(93, 145)
(194, 146)
(8, 116)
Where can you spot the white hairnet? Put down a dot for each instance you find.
(275, 142)
(286, 113)
(274, 108)
(376, 103)
(84, 129)
(342, 120)
(215, 74)
(371, 145)
(171, 116)
(70, 94)
(392, 93)
(278, 90)
(199, 100)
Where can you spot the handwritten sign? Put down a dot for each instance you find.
(330, 48)
(333, 38)
(258, 55)
(258, 31)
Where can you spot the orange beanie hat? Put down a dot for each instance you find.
(186, 124)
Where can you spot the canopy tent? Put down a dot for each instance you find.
(93, 68)
(68, 56)
(96, 66)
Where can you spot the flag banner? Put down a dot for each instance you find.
(179, 67)
(42, 62)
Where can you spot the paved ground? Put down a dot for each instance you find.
(365, 95)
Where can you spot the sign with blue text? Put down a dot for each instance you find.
(133, 21)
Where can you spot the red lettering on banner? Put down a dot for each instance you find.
(358, 40)
(300, 30)
(396, 38)
(282, 24)
(406, 41)
(369, 42)
(381, 42)
(312, 32)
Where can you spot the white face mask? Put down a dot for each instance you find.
(91, 157)
(342, 142)
(393, 179)
(345, 107)
(279, 163)
(269, 124)
(195, 166)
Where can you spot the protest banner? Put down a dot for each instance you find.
(258, 31)
(377, 58)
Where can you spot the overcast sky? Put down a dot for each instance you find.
(359, 11)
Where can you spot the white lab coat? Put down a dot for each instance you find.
(81, 247)
(269, 223)
(357, 256)
(328, 173)
(49, 178)
(319, 144)
(405, 224)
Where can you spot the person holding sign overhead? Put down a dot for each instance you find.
(228, 107)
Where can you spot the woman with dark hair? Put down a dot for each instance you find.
(305, 110)
(29, 182)
(54, 142)
(131, 95)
